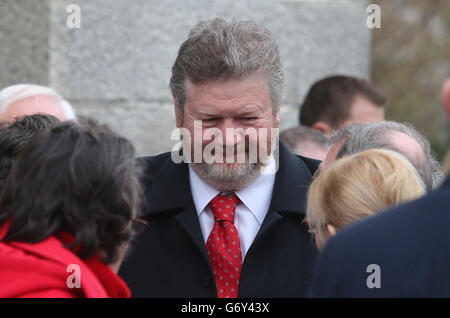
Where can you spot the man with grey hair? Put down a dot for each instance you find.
(305, 141)
(400, 137)
(401, 252)
(28, 99)
(223, 228)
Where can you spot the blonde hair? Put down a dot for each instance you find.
(358, 186)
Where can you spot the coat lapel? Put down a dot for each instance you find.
(188, 219)
(171, 193)
(289, 193)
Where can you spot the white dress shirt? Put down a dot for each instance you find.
(249, 214)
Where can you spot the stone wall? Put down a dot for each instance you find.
(116, 67)
(24, 36)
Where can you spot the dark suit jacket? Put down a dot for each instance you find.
(170, 259)
(410, 243)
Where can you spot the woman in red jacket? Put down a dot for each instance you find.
(66, 212)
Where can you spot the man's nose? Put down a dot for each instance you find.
(231, 132)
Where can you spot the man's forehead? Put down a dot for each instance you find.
(210, 110)
(219, 85)
(34, 104)
(244, 95)
(405, 143)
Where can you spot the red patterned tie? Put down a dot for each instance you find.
(223, 246)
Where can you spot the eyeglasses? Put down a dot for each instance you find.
(138, 226)
(316, 173)
(313, 229)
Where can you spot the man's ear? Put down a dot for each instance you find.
(445, 96)
(323, 128)
(331, 230)
(179, 114)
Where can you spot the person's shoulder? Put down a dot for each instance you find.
(390, 239)
(152, 164)
(375, 234)
(154, 161)
(293, 161)
(430, 208)
(24, 272)
(312, 164)
(376, 229)
(342, 264)
(48, 269)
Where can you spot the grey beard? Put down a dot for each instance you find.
(223, 178)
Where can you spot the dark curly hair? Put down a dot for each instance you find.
(80, 178)
(15, 136)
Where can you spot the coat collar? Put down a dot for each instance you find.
(291, 183)
(170, 192)
(170, 189)
(446, 183)
(289, 192)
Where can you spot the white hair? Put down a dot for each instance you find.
(15, 93)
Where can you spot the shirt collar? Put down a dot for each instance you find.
(202, 193)
(256, 196)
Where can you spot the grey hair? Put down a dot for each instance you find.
(15, 93)
(360, 137)
(218, 49)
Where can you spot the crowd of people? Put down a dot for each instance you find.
(81, 216)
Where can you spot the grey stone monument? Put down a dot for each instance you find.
(116, 66)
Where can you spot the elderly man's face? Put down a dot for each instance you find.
(237, 104)
(32, 105)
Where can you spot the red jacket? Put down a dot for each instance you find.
(41, 270)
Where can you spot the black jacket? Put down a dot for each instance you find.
(170, 259)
